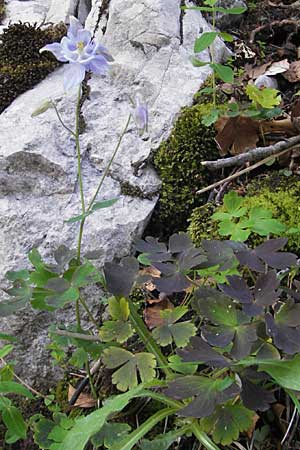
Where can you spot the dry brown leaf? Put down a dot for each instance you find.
(254, 72)
(83, 401)
(255, 419)
(293, 74)
(152, 315)
(238, 135)
(152, 272)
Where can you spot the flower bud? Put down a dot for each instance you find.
(43, 107)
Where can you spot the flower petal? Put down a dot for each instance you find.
(84, 36)
(69, 49)
(101, 50)
(56, 49)
(74, 28)
(73, 75)
(97, 65)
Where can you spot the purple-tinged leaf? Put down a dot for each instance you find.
(150, 245)
(207, 391)
(284, 337)
(217, 336)
(58, 285)
(190, 259)
(250, 259)
(244, 338)
(179, 243)
(218, 253)
(237, 289)
(265, 289)
(289, 314)
(174, 283)
(256, 397)
(199, 351)
(121, 277)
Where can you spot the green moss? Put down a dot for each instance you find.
(276, 193)
(2, 10)
(21, 64)
(280, 195)
(201, 226)
(178, 162)
(133, 191)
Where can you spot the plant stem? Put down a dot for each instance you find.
(109, 164)
(61, 121)
(88, 312)
(100, 185)
(212, 52)
(148, 340)
(77, 312)
(77, 131)
(87, 366)
(202, 437)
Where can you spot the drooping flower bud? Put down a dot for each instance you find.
(43, 107)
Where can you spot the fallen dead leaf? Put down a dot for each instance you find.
(83, 401)
(152, 315)
(238, 135)
(278, 67)
(293, 74)
(255, 419)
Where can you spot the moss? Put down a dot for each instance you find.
(2, 10)
(280, 195)
(201, 226)
(178, 162)
(134, 191)
(21, 64)
(276, 193)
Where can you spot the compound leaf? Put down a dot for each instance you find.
(227, 422)
(129, 366)
(170, 331)
(110, 435)
(208, 393)
(116, 330)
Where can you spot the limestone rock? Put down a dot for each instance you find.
(151, 41)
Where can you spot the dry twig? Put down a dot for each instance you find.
(254, 154)
(241, 172)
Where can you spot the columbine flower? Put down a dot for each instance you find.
(81, 51)
(140, 115)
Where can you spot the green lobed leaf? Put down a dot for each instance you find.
(42, 429)
(211, 118)
(170, 331)
(110, 435)
(129, 366)
(116, 330)
(227, 422)
(266, 97)
(118, 308)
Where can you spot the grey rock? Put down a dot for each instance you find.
(228, 21)
(38, 177)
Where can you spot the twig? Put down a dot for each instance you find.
(34, 391)
(241, 172)
(84, 337)
(253, 154)
(271, 25)
(84, 382)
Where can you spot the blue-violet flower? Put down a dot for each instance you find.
(81, 51)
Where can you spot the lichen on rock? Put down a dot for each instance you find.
(21, 64)
(178, 162)
(2, 10)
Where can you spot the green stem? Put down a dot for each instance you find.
(212, 52)
(148, 340)
(77, 314)
(130, 441)
(77, 131)
(202, 437)
(61, 121)
(94, 393)
(85, 306)
(109, 164)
